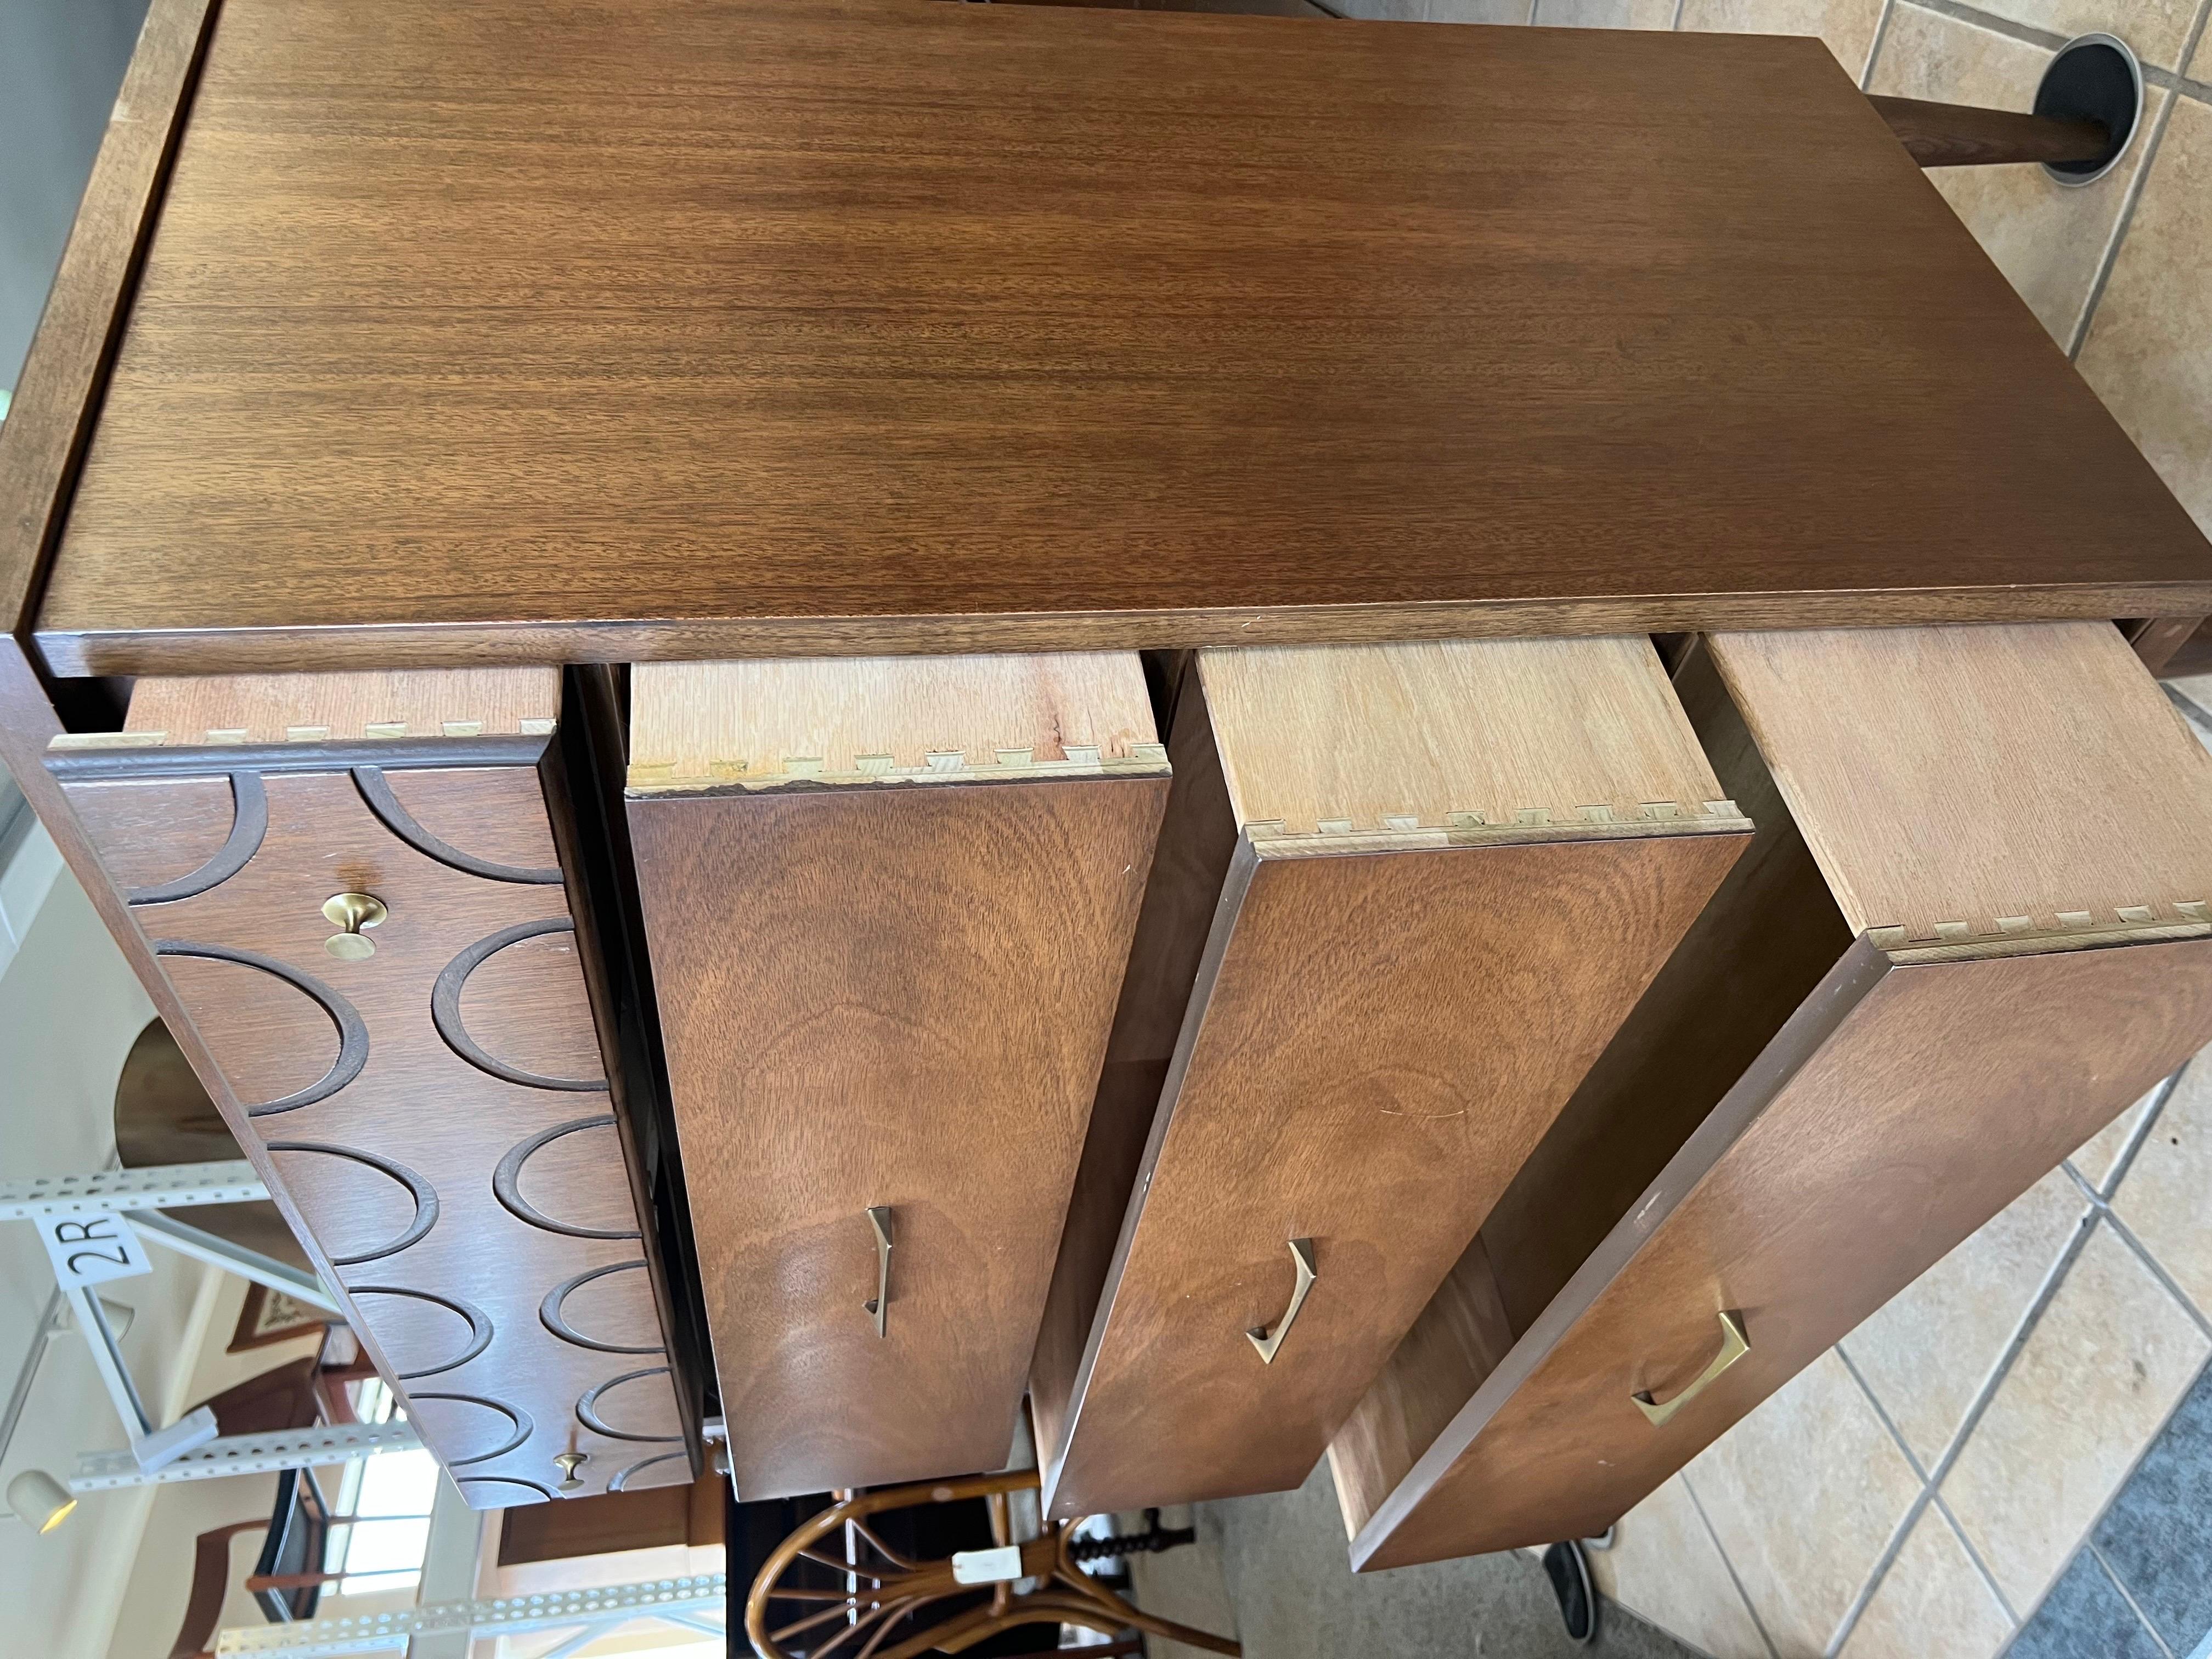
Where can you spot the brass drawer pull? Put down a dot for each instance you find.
(879, 1217)
(1266, 1341)
(353, 912)
(1733, 1345)
(569, 1462)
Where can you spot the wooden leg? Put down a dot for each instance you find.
(1959, 135)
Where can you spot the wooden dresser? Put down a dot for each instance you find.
(827, 713)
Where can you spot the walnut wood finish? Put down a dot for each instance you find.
(1374, 821)
(1959, 135)
(1797, 1122)
(1239, 385)
(883, 993)
(438, 1112)
(1860, 1150)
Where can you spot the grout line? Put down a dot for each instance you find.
(2121, 226)
(1874, 46)
(2166, 80)
(1886, 1559)
(1757, 1623)
(1959, 13)
(1880, 1412)
(1903, 1530)
(2126, 222)
(2128, 1595)
(1913, 1514)
(1975, 1556)
(1979, 1409)
(2158, 1271)
(2028, 1321)
(2136, 1136)
(1676, 25)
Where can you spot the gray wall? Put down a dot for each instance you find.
(61, 61)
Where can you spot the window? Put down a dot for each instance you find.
(381, 1524)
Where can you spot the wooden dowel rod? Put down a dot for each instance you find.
(1959, 135)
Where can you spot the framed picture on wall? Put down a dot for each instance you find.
(272, 1317)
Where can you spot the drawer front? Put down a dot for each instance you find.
(1391, 1008)
(1972, 929)
(1903, 1108)
(435, 1113)
(1375, 1106)
(890, 998)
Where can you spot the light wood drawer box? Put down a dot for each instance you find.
(1971, 931)
(888, 905)
(434, 1117)
(1404, 895)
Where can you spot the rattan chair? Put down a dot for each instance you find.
(855, 1623)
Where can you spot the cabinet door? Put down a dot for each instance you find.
(888, 905)
(1406, 895)
(2003, 836)
(425, 1090)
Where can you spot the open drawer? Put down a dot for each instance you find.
(421, 1077)
(1972, 930)
(1405, 894)
(888, 904)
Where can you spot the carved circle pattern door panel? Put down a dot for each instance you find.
(434, 1107)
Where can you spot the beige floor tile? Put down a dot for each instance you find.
(2200, 66)
(2149, 349)
(2102, 1151)
(1847, 26)
(1606, 13)
(2097, 1376)
(2048, 239)
(1926, 1355)
(1931, 1601)
(1804, 1494)
(2166, 1196)
(2157, 29)
(1665, 1567)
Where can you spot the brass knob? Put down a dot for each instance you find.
(568, 1462)
(353, 912)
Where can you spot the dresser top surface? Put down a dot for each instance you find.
(483, 333)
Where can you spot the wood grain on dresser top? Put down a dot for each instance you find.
(438, 1112)
(1449, 870)
(885, 980)
(908, 327)
(1793, 1125)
